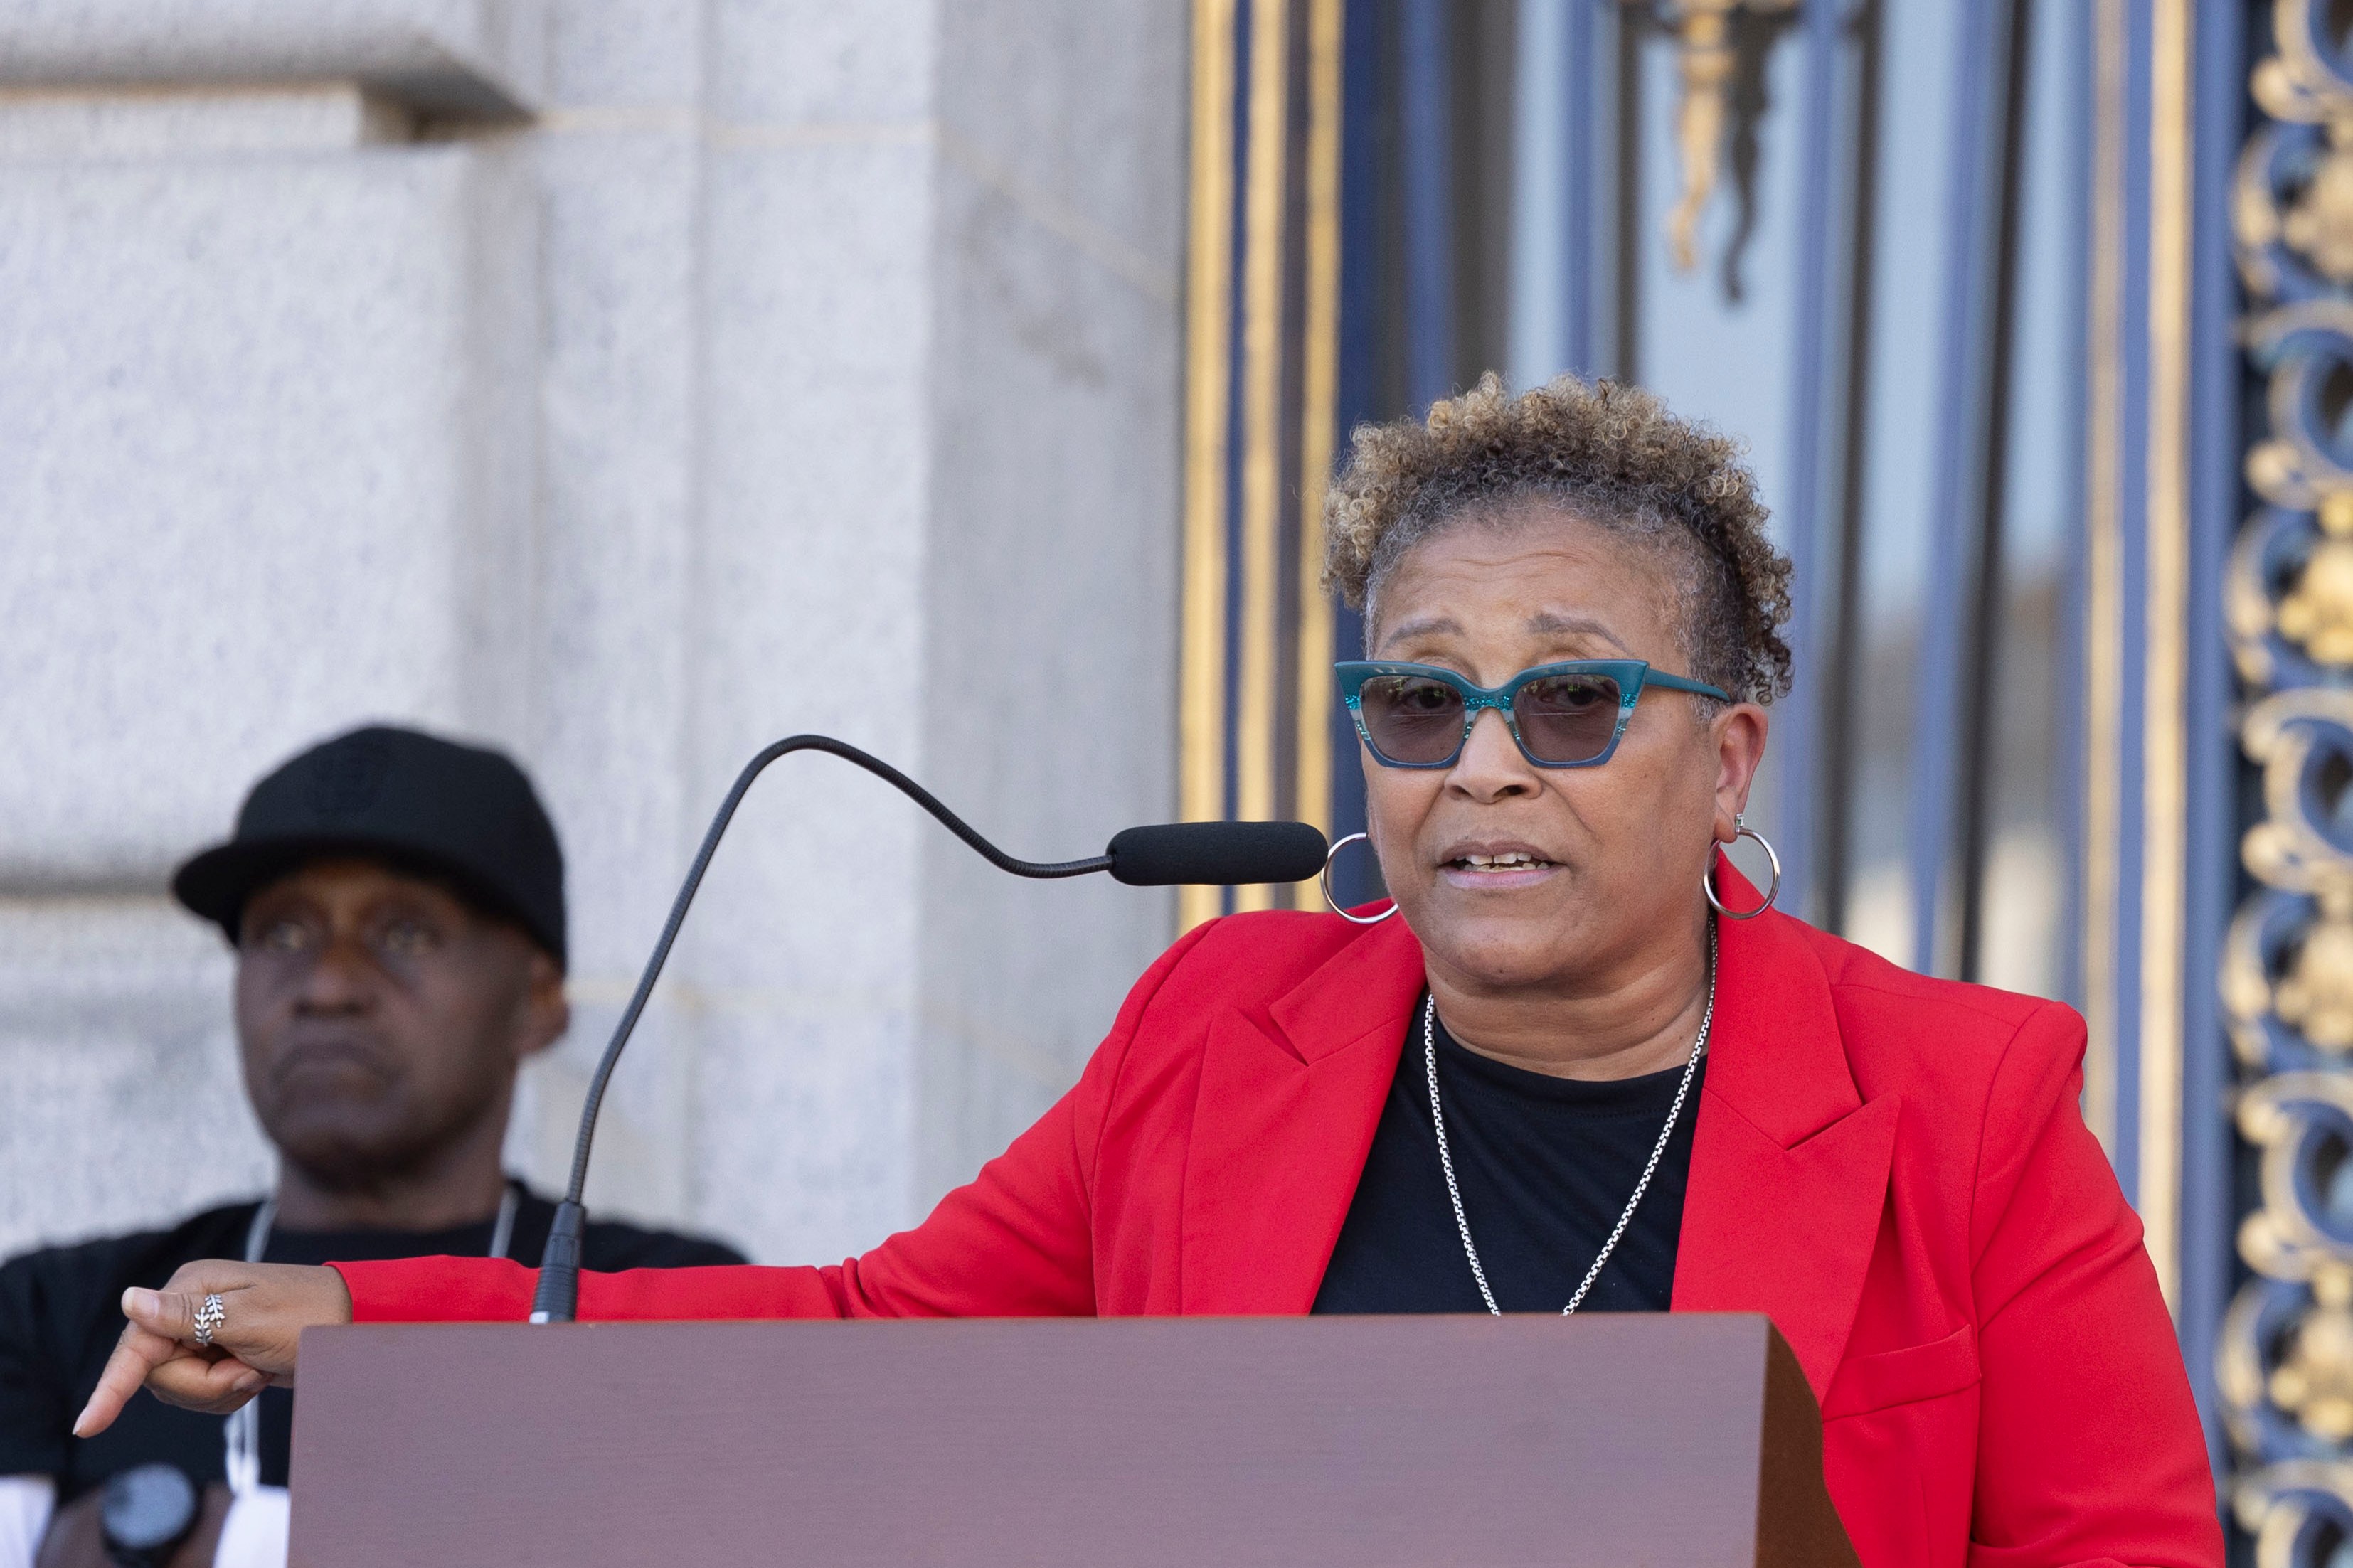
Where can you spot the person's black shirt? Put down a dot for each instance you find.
(60, 1315)
(1546, 1165)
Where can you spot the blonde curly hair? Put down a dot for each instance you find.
(1614, 456)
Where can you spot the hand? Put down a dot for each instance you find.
(268, 1306)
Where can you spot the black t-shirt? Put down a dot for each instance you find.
(60, 1316)
(1546, 1165)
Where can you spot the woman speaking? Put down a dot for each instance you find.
(1579, 1064)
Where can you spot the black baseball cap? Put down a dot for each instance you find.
(465, 813)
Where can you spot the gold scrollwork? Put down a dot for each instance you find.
(2288, 850)
(2242, 1370)
(2314, 1380)
(2297, 466)
(2299, 84)
(2291, 851)
(2318, 611)
(2284, 1360)
(2316, 996)
(2319, 225)
(2249, 611)
(2284, 1116)
(2246, 984)
(2277, 1506)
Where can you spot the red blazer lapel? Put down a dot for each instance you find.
(1789, 1164)
(1288, 1099)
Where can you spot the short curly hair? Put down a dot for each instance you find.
(1613, 455)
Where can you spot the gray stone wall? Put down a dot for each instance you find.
(629, 383)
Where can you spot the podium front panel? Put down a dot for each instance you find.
(1601, 1442)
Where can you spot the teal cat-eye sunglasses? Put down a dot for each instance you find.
(1567, 715)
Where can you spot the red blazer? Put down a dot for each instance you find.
(1892, 1168)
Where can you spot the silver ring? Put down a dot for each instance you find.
(1325, 880)
(209, 1316)
(1740, 830)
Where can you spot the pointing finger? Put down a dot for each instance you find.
(254, 1342)
(138, 1353)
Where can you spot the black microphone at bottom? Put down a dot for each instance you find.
(1217, 854)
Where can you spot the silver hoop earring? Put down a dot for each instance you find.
(1740, 830)
(1326, 880)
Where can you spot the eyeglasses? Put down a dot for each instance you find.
(1568, 715)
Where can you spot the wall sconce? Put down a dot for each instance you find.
(1707, 59)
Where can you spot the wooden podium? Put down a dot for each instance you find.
(1602, 1442)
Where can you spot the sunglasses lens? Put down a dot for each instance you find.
(1411, 718)
(1567, 718)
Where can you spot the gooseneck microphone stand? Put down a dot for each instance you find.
(1218, 853)
(559, 1271)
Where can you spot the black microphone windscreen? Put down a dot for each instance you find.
(1216, 853)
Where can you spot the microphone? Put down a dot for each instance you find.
(1217, 854)
(1220, 854)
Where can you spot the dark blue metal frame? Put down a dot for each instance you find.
(1356, 878)
(1236, 365)
(1964, 397)
(1579, 64)
(2217, 497)
(1815, 398)
(2131, 354)
(1398, 276)
(1425, 113)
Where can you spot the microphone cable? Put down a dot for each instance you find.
(1218, 852)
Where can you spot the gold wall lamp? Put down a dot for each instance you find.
(1707, 56)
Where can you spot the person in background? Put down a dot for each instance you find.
(397, 905)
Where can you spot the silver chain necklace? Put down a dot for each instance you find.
(1658, 1150)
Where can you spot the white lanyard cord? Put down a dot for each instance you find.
(243, 1428)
